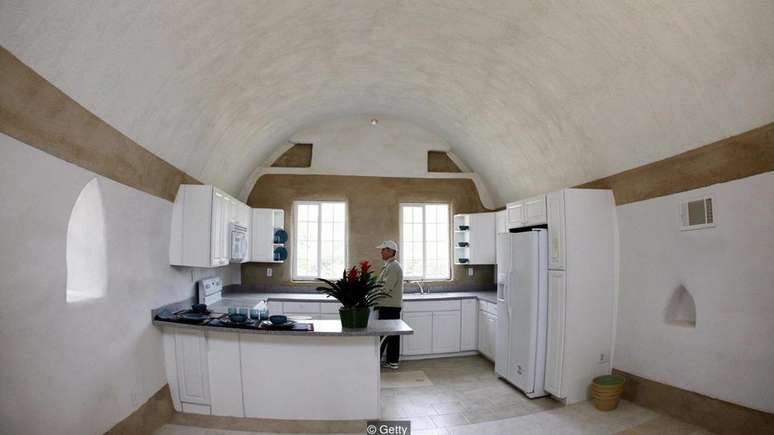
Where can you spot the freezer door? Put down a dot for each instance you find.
(522, 301)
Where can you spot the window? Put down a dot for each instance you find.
(320, 239)
(424, 241)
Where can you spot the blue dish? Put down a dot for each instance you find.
(278, 319)
(280, 236)
(238, 318)
(280, 253)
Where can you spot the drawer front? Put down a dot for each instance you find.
(413, 306)
(330, 307)
(301, 307)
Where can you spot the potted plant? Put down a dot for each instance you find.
(358, 290)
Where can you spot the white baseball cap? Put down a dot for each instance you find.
(388, 244)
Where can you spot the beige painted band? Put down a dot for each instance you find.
(714, 415)
(739, 156)
(35, 112)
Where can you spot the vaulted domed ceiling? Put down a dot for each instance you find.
(532, 95)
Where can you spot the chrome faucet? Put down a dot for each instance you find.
(419, 284)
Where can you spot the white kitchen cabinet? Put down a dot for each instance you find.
(487, 330)
(515, 214)
(476, 244)
(446, 332)
(225, 374)
(265, 222)
(501, 221)
(192, 371)
(555, 205)
(482, 337)
(535, 210)
(581, 290)
(555, 334)
(200, 233)
(527, 212)
(469, 325)
(421, 342)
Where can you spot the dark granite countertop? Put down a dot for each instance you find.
(322, 328)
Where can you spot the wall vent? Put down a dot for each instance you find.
(697, 214)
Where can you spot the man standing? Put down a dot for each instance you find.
(389, 308)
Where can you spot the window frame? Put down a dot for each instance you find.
(294, 277)
(450, 215)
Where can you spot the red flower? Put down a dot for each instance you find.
(365, 266)
(352, 274)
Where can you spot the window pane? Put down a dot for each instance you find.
(320, 239)
(425, 241)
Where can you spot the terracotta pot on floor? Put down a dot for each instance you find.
(606, 391)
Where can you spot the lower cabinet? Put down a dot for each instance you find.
(487, 334)
(421, 341)
(469, 325)
(192, 371)
(446, 332)
(225, 373)
(557, 296)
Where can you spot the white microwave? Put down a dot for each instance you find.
(238, 243)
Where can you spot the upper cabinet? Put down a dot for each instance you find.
(501, 224)
(209, 228)
(526, 212)
(267, 227)
(474, 238)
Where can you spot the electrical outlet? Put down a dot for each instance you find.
(602, 358)
(470, 271)
(268, 272)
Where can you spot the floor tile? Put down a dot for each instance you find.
(449, 420)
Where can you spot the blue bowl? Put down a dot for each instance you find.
(238, 318)
(278, 319)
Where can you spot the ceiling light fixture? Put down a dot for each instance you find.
(374, 121)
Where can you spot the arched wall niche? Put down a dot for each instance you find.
(86, 252)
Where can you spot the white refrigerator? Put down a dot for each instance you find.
(522, 309)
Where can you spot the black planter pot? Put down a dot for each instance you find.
(354, 318)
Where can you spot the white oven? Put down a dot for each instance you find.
(238, 243)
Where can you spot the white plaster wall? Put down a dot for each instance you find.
(532, 95)
(352, 146)
(728, 270)
(73, 368)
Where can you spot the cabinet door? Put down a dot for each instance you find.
(482, 238)
(421, 342)
(192, 372)
(446, 332)
(262, 236)
(225, 373)
(492, 335)
(469, 315)
(482, 337)
(216, 238)
(557, 295)
(515, 214)
(501, 224)
(556, 254)
(535, 211)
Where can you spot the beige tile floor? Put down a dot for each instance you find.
(467, 398)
